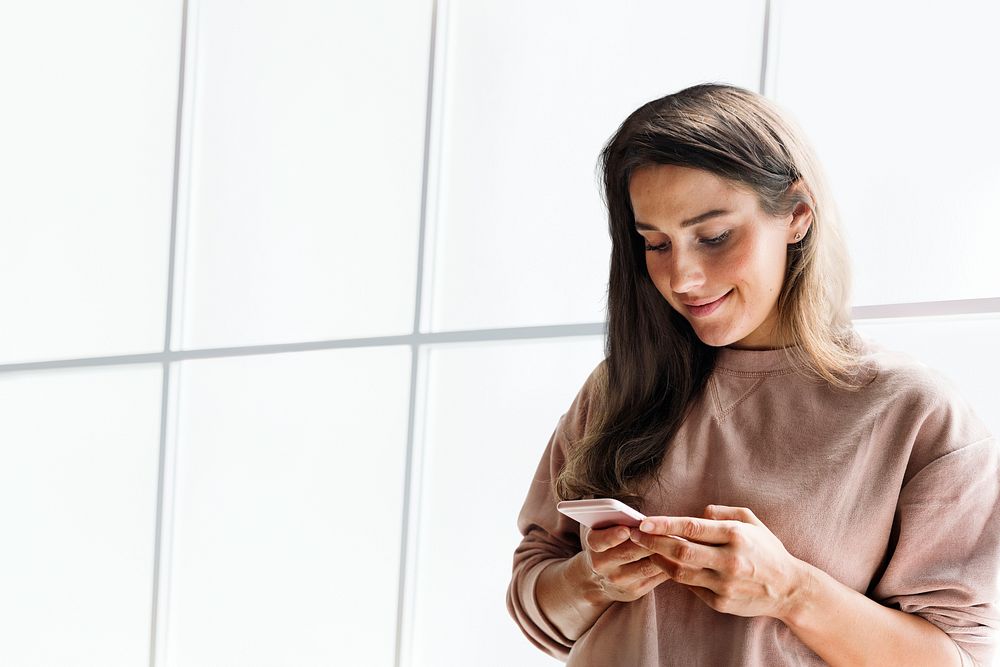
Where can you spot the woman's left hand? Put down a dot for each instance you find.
(731, 560)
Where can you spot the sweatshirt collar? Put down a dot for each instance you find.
(755, 361)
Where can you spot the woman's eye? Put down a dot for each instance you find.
(664, 247)
(717, 240)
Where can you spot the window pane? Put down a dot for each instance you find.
(491, 409)
(306, 170)
(901, 128)
(522, 232)
(78, 478)
(86, 175)
(288, 507)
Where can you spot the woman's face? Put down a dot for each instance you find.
(722, 271)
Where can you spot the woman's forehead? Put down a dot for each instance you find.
(675, 194)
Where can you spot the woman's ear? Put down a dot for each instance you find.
(802, 214)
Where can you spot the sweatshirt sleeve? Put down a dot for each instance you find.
(945, 561)
(548, 536)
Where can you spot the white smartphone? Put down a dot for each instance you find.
(601, 513)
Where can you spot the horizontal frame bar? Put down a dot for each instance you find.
(895, 310)
(441, 337)
(927, 309)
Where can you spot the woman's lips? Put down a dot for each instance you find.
(708, 308)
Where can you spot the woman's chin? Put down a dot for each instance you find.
(714, 336)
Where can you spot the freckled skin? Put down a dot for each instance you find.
(751, 261)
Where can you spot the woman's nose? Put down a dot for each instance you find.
(685, 273)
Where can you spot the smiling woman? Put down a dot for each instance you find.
(722, 269)
(839, 503)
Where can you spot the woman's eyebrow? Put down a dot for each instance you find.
(714, 213)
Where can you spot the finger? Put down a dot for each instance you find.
(602, 539)
(685, 552)
(638, 571)
(639, 577)
(689, 576)
(706, 531)
(651, 583)
(654, 582)
(618, 556)
(722, 512)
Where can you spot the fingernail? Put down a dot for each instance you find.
(646, 526)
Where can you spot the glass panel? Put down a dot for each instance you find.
(522, 231)
(87, 130)
(306, 170)
(900, 129)
(288, 509)
(78, 476)
(491, 409)
(962, 347)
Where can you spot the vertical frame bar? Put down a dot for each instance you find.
(170, 371)
(413, 465)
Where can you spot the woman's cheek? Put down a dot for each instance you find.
(658, 270)
(735, 260)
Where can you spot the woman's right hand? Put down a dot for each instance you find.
(620, 569)
(573, 592)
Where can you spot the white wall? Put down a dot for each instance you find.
(295, 293)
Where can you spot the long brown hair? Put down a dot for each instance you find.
(654, 362)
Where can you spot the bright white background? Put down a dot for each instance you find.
(295, 293)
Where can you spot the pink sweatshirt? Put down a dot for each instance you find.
(893, 491)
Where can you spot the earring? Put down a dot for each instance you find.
(798, 236)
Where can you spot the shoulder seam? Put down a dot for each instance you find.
(917, 474)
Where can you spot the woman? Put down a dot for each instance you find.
(839, 501)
